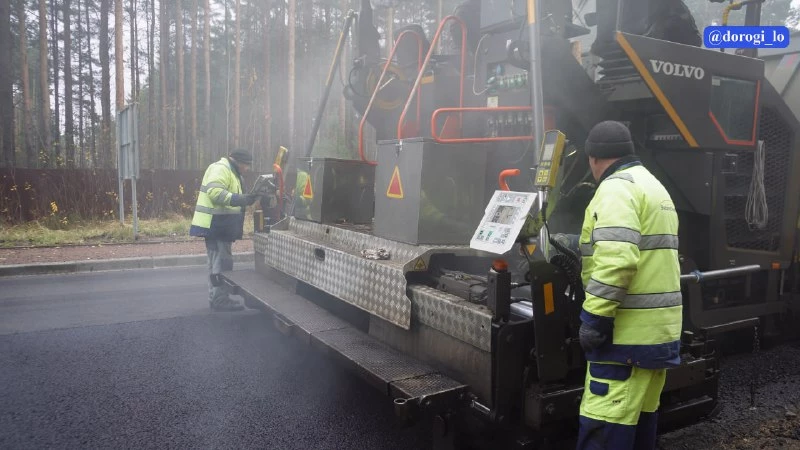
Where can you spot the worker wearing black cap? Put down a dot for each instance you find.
(219, 218)
(632, 312)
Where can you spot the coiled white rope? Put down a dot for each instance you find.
(756, 211)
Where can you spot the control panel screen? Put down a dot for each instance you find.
(504, 214)
(547, 155)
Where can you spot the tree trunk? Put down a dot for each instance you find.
(134, 36)
(267, 107)
(344, 64)
(27, 104)
(389, 28)
(81, 118)
(152, 98)
(56, 79)
(193, 156)
(119, 68)
(105, 87)
(180, 147)
(308, 97)
(6, 86)
(237, 75)
(207, 61)
(292, 19)
(133, 46)
(69, 119)
(168, 162)
(92, 102)
(44, 83)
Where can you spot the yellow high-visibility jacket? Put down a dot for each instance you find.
(214, 217)
(631, 272)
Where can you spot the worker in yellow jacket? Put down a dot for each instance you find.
(631, 316)
(219, 218)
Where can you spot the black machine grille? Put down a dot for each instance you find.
(778, 141)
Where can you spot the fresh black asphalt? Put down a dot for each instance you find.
(134, 359)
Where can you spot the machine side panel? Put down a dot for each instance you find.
(397, 190)
(453, 181)
(711, 97)
(744, 242)
(687, 176)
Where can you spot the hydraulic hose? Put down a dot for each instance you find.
(570, 263)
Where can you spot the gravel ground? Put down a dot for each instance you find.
(11, 256)
(772, 424)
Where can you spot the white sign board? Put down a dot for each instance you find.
(502, 221)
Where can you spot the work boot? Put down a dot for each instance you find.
(227, 306)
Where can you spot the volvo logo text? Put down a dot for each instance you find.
(677, 70)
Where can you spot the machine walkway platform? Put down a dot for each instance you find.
(399, 376)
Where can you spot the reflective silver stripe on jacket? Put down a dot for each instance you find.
(621, 234)
(223, 193)
(633, 301)
(649, 242)
(216, 211)
(646, 301)
(659, 241)
(605, 291)
(212, 185)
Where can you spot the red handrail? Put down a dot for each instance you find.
(378, 85)
(502, 178)
(279, 171)
(425, 65)
(435, 135)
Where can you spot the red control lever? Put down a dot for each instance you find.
(503, 175)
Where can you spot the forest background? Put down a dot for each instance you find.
(207, 76)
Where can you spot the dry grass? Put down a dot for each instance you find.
(41, 234)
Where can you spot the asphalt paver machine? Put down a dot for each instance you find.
(435, 266)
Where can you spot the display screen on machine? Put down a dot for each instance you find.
(502, 221)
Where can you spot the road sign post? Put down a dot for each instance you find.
(128, 159)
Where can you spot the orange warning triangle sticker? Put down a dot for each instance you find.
(308, 192)
(395, 189)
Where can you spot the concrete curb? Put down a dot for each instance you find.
(146, 262)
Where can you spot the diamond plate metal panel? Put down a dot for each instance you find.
(452, 315)
(378, 359)
(376, 286)
(260, 243)
(430, 384)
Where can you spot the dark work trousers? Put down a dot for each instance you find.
(220, 259)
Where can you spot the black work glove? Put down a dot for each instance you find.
(590, 338)
(243, 199)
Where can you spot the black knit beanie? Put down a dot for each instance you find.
(242, 156)
(609, 139)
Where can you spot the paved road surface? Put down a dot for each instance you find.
(135, 359)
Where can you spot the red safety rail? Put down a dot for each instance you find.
(445, 140)
(434, 42)
(505, 174)
(378, 87)
(279, 171)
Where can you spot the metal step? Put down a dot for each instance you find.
(395, 374)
